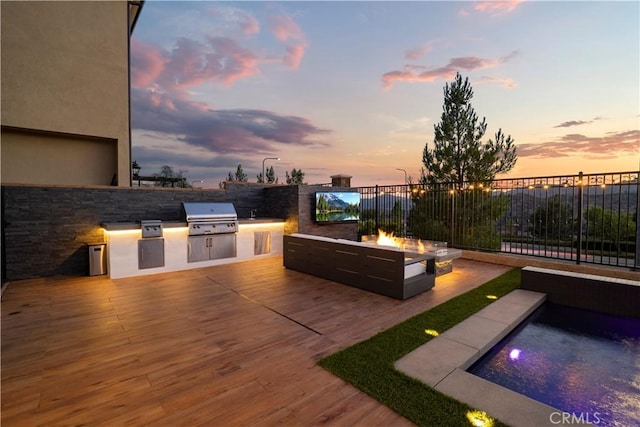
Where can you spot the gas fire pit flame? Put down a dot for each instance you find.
(388, 239)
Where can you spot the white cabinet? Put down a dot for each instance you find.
(126, 258)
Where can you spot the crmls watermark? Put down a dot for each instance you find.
(575, 418)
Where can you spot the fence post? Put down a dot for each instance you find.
(453, 220)
(377, 203)
(636, 263)
(580, 187)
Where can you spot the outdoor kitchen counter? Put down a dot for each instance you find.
(256, 238)
(113, 226)
(120, 226)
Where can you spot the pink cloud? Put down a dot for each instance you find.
(220, 131)
(248, 24)
(577, 122)
(285, 28)
(294, 56)
(417, 53)
(468, 63)
(496, 7)
(388, 79)
(614, 144)
(232, 18)
(472, 63)
(147, 63)
(505, 82)
(191, 63)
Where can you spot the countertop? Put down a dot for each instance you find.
(114, 226)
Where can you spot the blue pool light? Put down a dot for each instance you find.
(514, 354)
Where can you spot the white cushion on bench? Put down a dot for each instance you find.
(414, 269)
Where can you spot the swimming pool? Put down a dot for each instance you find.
(581, 362)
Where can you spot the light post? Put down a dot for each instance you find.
(264, 160)
(197, 180)
(135, 167)
(405, 174)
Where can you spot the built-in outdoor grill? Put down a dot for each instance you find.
(212, 230)
(210, 218)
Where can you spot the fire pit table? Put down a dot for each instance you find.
(444, 256)
(384, 270)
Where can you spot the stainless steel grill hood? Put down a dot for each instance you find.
(210, 218)
(201, 211)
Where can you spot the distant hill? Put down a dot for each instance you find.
(334, 201)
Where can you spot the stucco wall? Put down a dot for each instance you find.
(52, 159)
(65, 71)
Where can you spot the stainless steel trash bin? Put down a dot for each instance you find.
(97, 260)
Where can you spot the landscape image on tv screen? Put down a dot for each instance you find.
(332, 206)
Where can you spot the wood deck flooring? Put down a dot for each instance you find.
(229, 345)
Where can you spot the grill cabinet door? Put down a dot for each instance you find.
(198, 248)
(223, 246)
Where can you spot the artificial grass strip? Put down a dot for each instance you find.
(368, 365)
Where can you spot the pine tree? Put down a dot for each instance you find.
(240, 176)
(459, 155)
(271, 176)
(296, 177)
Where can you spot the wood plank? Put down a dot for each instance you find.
(235, 344)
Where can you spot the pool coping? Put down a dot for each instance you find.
(441, 363)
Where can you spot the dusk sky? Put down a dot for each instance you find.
(355, 88)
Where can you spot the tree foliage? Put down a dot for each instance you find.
(240, 176)
(270, 176)
(608, 226)
(465, 219)
(553, 220)
(296, 177)
(459, 154)
(169, 178)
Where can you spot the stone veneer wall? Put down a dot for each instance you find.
(296, 203)
(46, 229)
(306, 224)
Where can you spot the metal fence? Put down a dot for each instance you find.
(590, 218)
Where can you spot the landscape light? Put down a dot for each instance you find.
(479, 419)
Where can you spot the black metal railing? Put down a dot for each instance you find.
(591, 218)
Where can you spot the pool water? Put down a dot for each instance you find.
(580, 362)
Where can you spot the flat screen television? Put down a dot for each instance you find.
(337, 206)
